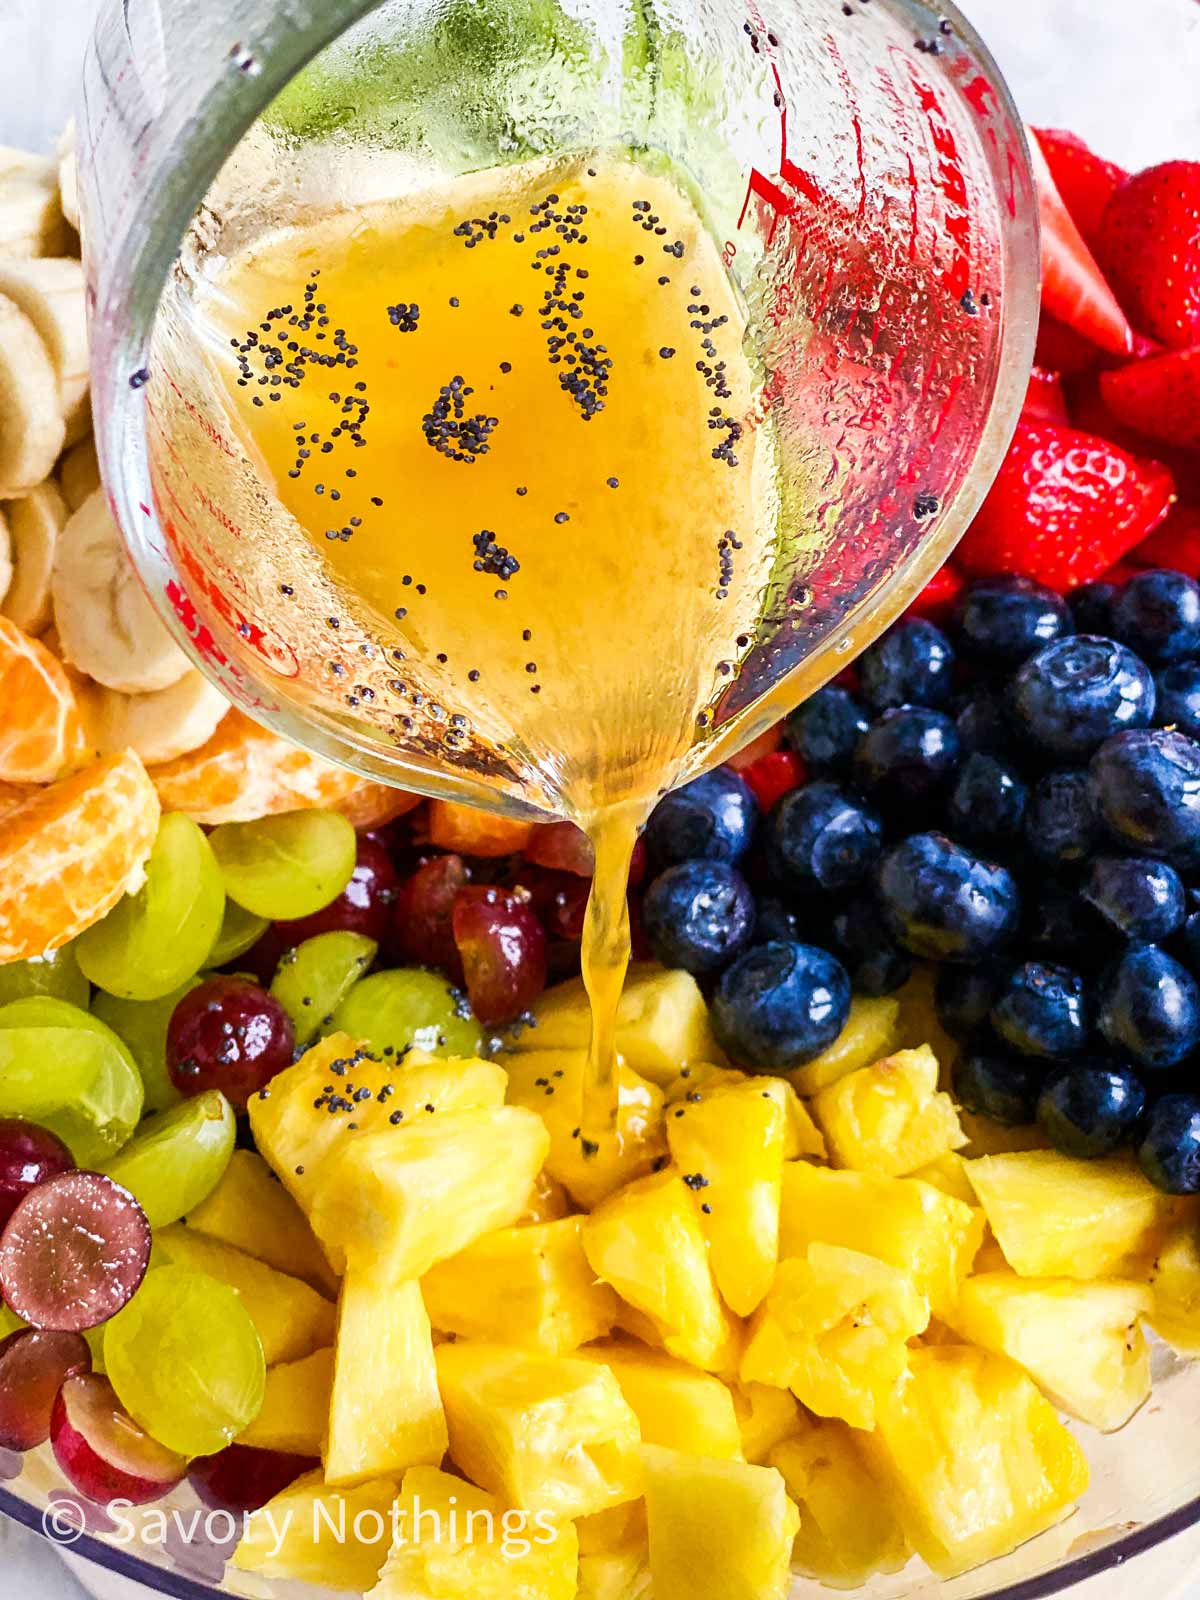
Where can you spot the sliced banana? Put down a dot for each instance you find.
(31, 421)
(34, 524)
(79, 472)
(31, 218)
(49, 291)
(105, 623)
(6, 566)
(173, 722)
(68, 175)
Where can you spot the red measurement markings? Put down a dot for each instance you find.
(947, 173)
(211, 432)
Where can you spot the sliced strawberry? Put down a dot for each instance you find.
(774, 775)
(1073, 287)
(936, 600)
(1084, 179)
(1091, 413)
(1175, 544)
(1160, 398)
(1150, 247)
(1065, 505)
(1044, 398)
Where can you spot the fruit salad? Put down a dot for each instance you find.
(295, 1211)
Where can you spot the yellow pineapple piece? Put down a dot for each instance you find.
(621, 1527)
(292, 1319)
(529, 1286)
(1174, 1275)
(847, 1529)
(338, 1538)
(296, 1134)
(949, 1174)
(551, 1082)
(397, 1200)
(890, 1117)
(918, 1022)
(766, 1416)
(1081, 1343)
(870, 1032)
(675, 1404)
(295, 1408)
(729, 1146)
(547, 1202)
(834, 1329)
(972, 1458)
(905, 1223)
(252, 1210)
(988, 1138)
(1056, 1217)
(801, 1136)
(718, 1530)
(454, 1540)
(614, 1575)
(646, 1242)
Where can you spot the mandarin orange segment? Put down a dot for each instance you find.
(41, 731)
(373, 804)
(70, 851)
(471, 832)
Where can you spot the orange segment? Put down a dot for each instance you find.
(41, 732)
(70, 851)
(471, 832)
(373, 804)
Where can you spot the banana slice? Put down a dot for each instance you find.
(6, 566)
(79, 473)
(50, 293)
(173, 722)
(68, 175)
(31, 218)
(34, 524)
(106, 625)
(31, 422)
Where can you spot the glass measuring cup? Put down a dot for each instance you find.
(862, 171)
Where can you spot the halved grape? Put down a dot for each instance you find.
(228, 1034)
(186, 1361)
(286, 866)
(28, 1156)
(503, 950)
(240, 931)
(410, 1007)
(423, 914)
(243, 1477)
(142, 1024)
(314, 978)
(177, 1158)
(44, 1069)
(103, 1451)
(73, 1252)
(34, 1364)
(56, 974)
(363, 906)
(151, 941)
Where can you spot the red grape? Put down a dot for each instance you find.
(243, 1478)
(28, 1156)
(228, 1034)
(74, 1251)
(503, 950)
(103, 1451)
(559, 898)
(422, 923)
(34, 1364)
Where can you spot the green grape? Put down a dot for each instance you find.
(239, 930)
(151, 941)
(286, 866)
(177, 1158)
(95, 1343)
(409, 1007)
(56, 974)
(142, 1024)
(312, 980)
(10, 1322)
(42, 1070)
(186, 1361)
(97, 1121)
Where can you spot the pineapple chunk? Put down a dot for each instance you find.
(614, 1575)
(1081, 1343)
(646, 1241)
(801, 1136)
(547, 1202)
(662, 1022)
(766, 1417)
(731, 1140)
(988, 1138)
(337, 1538)
(907, 1224)
(949, 1174)
(719, 1530)
(1175, 1284)
(292, 1319)
(870, 1032)
(395, 1201)
(528, 1286)
(295, 1408)
(1056, 1217)
(890, 1117)
(834, 1330)
(675, 1405)
(551, 1082)
(251, 1210)
(453, 1539)
(545, 1433)
(621, 1527)
(973, 1458)
(918, 1022)
(296, 1130)
(385, 1414)
(847, 1529)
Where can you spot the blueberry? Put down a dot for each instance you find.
(823, 835)
(983, 724)
(1141, 898)
(1178, 704)
(1061, 826)
(907, 756)
(1042, 1011)
(987, 801)
(825, 730)
(777, 918)
(779, 1005)
(698, 915)
(1189, 943)
(993, 1084)
(963, 998)
(1150, 1008)
(1157, 613)
(1076, 692)
(1091, 1108)
(1091, 607)
(712, 818)
(1169, 1153)
(1004, 620)
(942, 902)
(1145, 787)
(875, 965)
(1063, 927)
(912, 665)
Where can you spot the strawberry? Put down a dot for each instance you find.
(761, 746)
(1065, 505)
(1159, 397)
(936, 600)
(774, 775)
(1175, 544)
(1073, 287)
(1084, 179)
(1150, 247)
(1091, 413)
(1044, 397)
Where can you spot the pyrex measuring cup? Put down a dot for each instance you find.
(858, 161)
